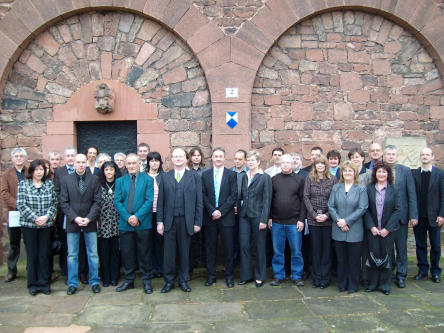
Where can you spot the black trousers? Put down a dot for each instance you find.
(38, 251)
(379, 277)
(251, 237)
(212, 230)
(421, 247)
(364, 256)
(83, 259)
(349, 264)
(136, 249)
(400, 259)
(109, 256)
(321, 250)
(15, 236)
(176, 241)
(157, 257)
(306, 253)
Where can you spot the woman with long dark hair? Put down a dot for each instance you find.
(381, 219)
(155, 170)
(37, 204)
(108, 228)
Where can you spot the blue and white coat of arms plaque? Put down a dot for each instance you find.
(231, 118)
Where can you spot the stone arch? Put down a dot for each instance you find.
(114, 46)
(345, 78)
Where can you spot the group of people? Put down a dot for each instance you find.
(350, 219)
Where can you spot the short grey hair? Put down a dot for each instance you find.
(287, 157)
(71, 148)
(119, 154)
(132, 155)
(105, 155)
(295, 154)
(391, 147)
(54, 153)
(17, 151)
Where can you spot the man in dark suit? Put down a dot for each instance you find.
(315, 152)
(429, 183)
(134, 202)
(79, 200)
(405, 187)
(219, 192)
(179, 216)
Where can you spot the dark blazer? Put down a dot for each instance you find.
(142, 204)
(391, 210)
(74, 204)
(405, 187)
(436, 193)
(350, 207)
(193, 200)
(58, 175)
(256, 198)
(227, 196)
(305, 171)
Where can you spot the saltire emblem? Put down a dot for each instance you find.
(231, 118)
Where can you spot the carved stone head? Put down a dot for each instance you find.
(104, 99)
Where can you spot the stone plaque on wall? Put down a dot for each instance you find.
(408, 149)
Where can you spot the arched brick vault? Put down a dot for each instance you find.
(227, 61)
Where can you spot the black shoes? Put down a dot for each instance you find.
(370, 289)
(323, 285)
(105, 284)
(420, 276)
(385, 292)
(32, 291)
(147, 287)
(71, 290)
(46, 291)
(125, 286)
(276, 282)
(436, 278)
(400, 282)
(259, 284)
(114, 283)
(243, 282)
(185, 287)
(10, 278)
(210, 281)
(96, 288)
(230, 283)
(167, 288)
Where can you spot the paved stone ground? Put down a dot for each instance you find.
(417, 308)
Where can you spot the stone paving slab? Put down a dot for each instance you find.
(285, 309)
(342, 305)
(267, 326)
(133, 315)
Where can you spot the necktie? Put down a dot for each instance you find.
(82, 184)
(216, 186)
(71, 170)
(129, 206)
(178, 177)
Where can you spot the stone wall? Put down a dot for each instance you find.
(343, 79)
(105, 45)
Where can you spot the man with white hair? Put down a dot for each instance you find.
(54, 158)
(286, 221)
(119, 159)
(102, 158)
(10, 180)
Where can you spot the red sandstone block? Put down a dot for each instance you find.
(433, 30)
(155, 8)
(145, 52)
(57, 142)
(384, 32)
(60, 127)
(106, 63)
(14, 28)
(257, 100)
(219, 125)
(232, 142)
(314, 55)
(245, 54)
(437, 112)
(359, 96)
(425, 11)
(343, 111)
(358, 57)
(190, 23)
(270, 24)
(398, 99)
(48, 43)
(99, 3)
(381, 67)
(417, 99)
(302, 8)
(431, 86)
(205, 36)
(432, 100)
(175, 11)
(283, 9)
(137, 5)
(47, 8)
(26, 12)
(392, 47)
(272, 99)
(41, 83)
(36, 64)
(350, 81)
(65, 6)
(336, 56)
(178, 74)
(301, 111)
(253, 36)
(216, 54)
(150, 126)
(395, 81)
(275, 124)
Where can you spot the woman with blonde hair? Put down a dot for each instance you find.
(318, 186)
(347, 204)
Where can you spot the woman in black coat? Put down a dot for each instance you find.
(381, 219)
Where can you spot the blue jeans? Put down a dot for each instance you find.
(73, 257)
(279, 233)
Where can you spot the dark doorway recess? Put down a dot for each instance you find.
(109, 136)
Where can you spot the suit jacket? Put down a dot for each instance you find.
(436, 193)
(391, 210)
(142, 204)
(405, 186)
(58, 175)
(256, 198)
(350, 207)
(193, 200)
(9, 187)
(305, 171)
(227, 197)
(74, 204)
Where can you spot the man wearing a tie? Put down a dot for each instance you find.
(179, 216)
(79, 200)
(219, 192)
(134, 202)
